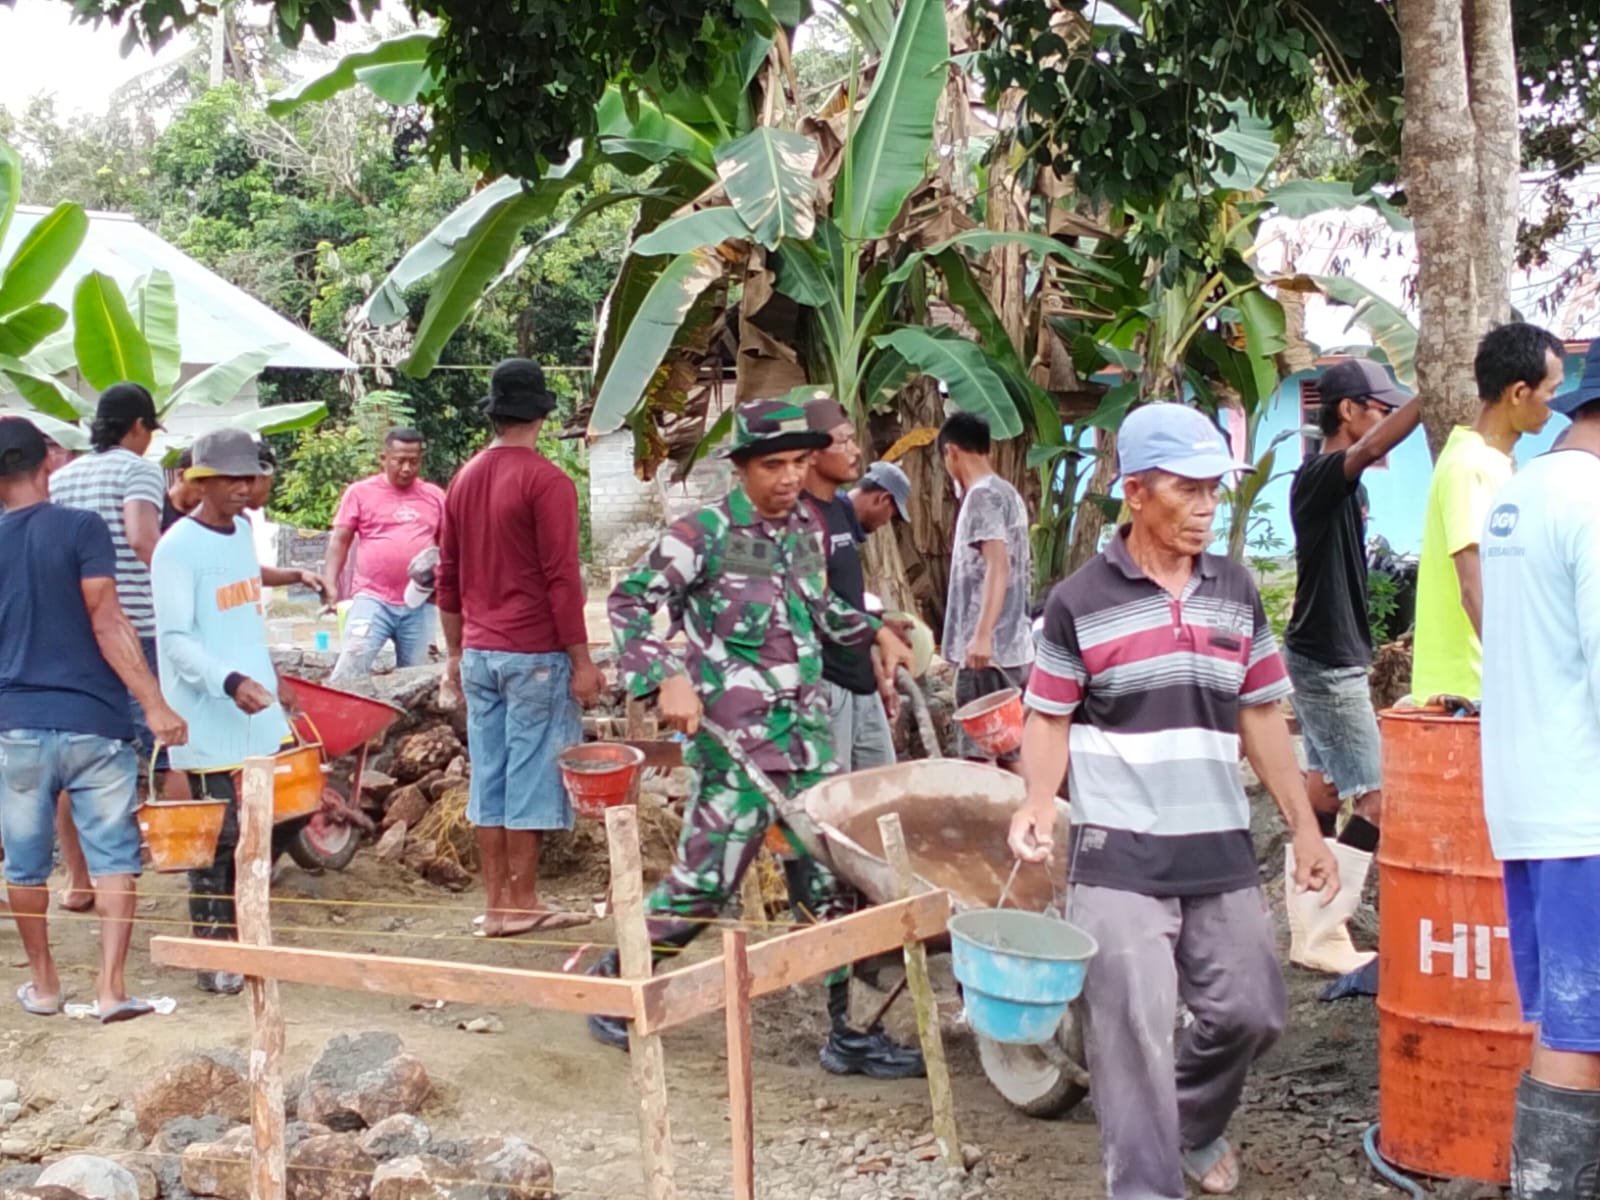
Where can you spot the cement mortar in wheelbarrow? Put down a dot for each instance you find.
(956, 816)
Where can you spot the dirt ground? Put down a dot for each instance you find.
(540, 1076)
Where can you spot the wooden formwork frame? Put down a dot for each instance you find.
(654, 1003)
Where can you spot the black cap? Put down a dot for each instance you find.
(1360, 379)
(22, 446)
(517, 390)
(127, 401)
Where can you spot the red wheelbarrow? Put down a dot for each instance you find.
(343, 723)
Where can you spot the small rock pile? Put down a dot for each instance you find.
(880, 1163)
(353, 1134)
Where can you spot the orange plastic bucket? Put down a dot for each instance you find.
(994, 722)
(181, 835)
(297, 783)
(600, 775)
(1451, 1041)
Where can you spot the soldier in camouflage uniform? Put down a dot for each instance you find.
(745, 580)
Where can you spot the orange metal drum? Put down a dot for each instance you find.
(1451, 1042)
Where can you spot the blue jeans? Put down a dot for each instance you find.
(370, 623)
(520, 715)
(1552, 906)
(98, 776)
(1334, 708)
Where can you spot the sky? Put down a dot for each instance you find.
(42, 50)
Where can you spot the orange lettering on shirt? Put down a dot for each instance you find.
(233, 595)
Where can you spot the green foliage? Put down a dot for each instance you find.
(322, 464)
(1383, 602)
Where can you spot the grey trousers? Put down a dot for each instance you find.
(1157, 1093)
(861, 734)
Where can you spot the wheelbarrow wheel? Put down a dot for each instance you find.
(324, 843)
(1047, 1082)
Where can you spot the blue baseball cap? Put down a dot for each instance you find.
(1173, 438)
(1588, 389)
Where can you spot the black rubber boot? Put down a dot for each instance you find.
(1555, 1143)
(874, 1054)
(609, 1031)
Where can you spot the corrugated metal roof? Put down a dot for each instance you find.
(216, 320)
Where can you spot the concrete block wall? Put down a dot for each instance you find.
(623, 509)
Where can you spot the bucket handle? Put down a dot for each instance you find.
(1060, 900)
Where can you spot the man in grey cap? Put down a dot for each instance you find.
(1328, 645)
(883, 494)
(1155, 663)
(216, 671)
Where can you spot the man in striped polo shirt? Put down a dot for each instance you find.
(1154, 665)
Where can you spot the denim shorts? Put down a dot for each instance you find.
(1553, 910)
(1334, 708)
(97, 773)
(520, 715)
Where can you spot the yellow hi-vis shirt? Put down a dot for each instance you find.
(1448, 657)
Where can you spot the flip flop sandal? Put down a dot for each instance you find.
(31, 1004)
(550, 920)
(126, 1010)
(1202, 1160)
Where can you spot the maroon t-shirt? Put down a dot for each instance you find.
(508, 554)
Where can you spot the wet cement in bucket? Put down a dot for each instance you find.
(959, 843)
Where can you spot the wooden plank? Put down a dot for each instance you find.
(741, 1094)
(680, 996)
(645, 1054)
(939, 1093)
(252, 902)
(662, 755)
(426, 979)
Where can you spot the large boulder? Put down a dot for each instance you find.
(399, 1136)
(501, 1168)
(220, 1168)
(204, 1084)
(414, 1177)
(178, 1134)
(359, 1080)
(92, 1177)
(407, 806)
(330, 1166)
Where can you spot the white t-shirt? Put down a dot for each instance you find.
(991, 512)
(1541, 660)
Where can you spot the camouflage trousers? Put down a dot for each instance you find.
(723, 828)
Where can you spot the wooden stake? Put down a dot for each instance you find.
(939, 1093)
(644, 1049)
(741, 1096)
(252, 901)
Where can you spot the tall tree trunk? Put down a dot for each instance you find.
(1460, 157)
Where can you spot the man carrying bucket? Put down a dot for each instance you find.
(746, 581)
(65, 722)
(216, 671)
(1541, 756)
(1155, 664)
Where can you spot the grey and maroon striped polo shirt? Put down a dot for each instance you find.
(1154, 686)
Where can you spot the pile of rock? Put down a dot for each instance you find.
(353, 1134)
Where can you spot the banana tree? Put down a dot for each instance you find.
(850, 256)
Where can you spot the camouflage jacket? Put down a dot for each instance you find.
(751, 596)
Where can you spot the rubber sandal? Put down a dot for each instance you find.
(1202, 1160)
(546, 921)
(126, 1010)
(31, 1004)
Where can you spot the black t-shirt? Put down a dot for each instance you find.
(850, 669)
(1330, 592)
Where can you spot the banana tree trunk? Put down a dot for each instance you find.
(1090, 522)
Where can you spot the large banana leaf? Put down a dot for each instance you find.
(767, 174)
(110, 347)
(974, 382)
(22, 331)
(409, 50)
(42, 256)
(43, 391)
(475, 261)
(221, 382)
(1262, 320)
(64, 433)
(647, 336)
(10, 185)
(708, 227)
(155, 309)
(387, 305)
(1390, 328)
(281, 418)
(887, 155)
(1300, 198)
(988, 239)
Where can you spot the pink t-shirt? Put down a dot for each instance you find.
(393, 526)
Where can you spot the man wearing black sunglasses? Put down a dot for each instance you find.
(1328, 645)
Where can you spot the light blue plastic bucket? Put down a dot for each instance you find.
(1018, 970)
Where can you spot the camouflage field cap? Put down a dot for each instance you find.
(772, 427)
